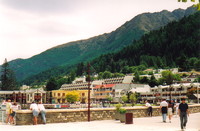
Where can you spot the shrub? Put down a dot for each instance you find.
(122, 111)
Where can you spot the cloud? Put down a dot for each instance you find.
(28, 27)
(43, 6)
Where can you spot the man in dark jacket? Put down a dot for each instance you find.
(183, 113)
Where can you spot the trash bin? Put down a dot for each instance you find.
(129, 118)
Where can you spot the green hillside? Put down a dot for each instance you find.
(175, 45)
(68, 54)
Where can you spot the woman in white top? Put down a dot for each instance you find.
(8, 111)
(14, 108)
(149, 108)
(42, 111)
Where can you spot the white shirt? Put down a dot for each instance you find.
(41, 107)
(148, 105)
(164, 104)
(177, 105)
(34, 106)
(15, 107)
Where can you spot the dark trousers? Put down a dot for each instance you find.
(150, 111)
(183, 118)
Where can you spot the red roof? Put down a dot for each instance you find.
(104, 86)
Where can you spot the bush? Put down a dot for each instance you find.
(118, 107)
(122, 111)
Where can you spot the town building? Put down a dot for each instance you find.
(123, 89)
(174, 91)
(59, 96)
(24, 96)
(102, 92)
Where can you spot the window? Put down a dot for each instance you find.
(58, 94)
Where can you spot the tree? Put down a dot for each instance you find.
(196, 5)
(197, 79)
(168, 77)
(8, 80)
(124, 98)
(51, 84)
(153, 82)
(109, 98)
(144, 80)
(133, 97)
(72, 96)
(136, 77)
(80, 69)
(107, 74)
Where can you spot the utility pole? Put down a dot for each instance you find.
(88, 79)
(198, 94)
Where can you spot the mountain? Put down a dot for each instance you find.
(71, 53)
(174, 45)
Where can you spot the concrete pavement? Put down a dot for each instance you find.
(140, 124)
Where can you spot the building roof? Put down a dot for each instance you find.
(104, 86)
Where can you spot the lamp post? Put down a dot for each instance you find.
(88, 92)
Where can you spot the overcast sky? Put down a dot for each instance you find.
(29, 27)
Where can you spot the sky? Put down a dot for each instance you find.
(29, 27)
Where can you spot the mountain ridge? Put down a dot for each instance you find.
(83, 50)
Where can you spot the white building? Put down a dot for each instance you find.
(122, 89)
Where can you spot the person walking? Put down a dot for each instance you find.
(35, 111)
(170, 110)
(149, 110)
(183, 113)
(163, 108)
(42, 111)
(8, 111)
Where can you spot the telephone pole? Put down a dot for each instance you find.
(88, 79)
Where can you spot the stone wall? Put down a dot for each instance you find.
(24, 117)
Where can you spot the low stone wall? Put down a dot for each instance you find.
(25, 117)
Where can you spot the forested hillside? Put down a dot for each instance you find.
(175, 45)
(58, 60)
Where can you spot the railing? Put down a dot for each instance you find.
(2, 113)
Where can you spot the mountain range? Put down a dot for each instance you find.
(75, 52)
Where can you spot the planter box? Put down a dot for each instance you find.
(122, 118)
(117, 116)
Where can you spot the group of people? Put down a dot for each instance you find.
(167, 107)
(36, 109)
(11, 109)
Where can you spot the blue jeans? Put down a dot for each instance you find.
(183, 118)
(43, 115)
(164, 116)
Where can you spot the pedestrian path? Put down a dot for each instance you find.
(140, 124)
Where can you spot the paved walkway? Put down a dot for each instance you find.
(140, 124)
